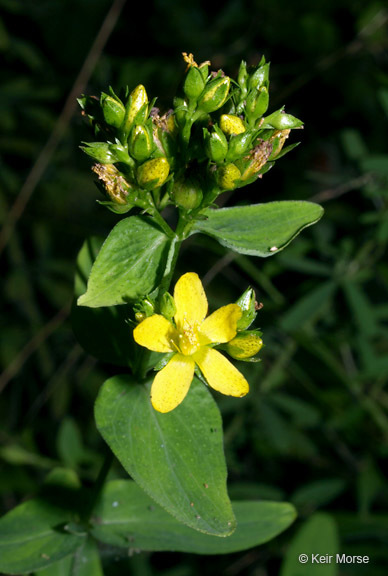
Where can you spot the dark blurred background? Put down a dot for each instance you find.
(314, 429)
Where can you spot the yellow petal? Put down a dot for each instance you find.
(172, 383)
(220, 373)
(221, 326)
(190, 300)
(155, 333)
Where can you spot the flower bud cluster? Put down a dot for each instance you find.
(133, 158)
(216, 138)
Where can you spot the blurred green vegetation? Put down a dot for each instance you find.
(314, 428)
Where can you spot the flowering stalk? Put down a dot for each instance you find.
(216, 130)
(215, 138)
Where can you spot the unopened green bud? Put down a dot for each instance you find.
(214, 95)
(168, 143)
(244, 345)
(115, 185)
(228, 176)
(153, 173)
(164, 135)
(257, 104)
(239, 145)
(180, 110)
(167, 306)
(100, 151)
(113, 110)
(282, 121)
(247, 303)
(191, 63)
(242, 77)
(120, 153)
(187, 194)
(193, 84)
(136, 108)
(231, 124)
(144, 309)
(259, 78)
(216, 144)
(204, 69)
(140, 143)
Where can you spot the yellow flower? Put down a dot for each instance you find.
(191, 338)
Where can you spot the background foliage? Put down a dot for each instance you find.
(314, 429)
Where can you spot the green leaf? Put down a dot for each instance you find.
(261, 229)
(129, 265)
(102, 332)
(177, 458)
(32, 536)
(127, 517)
(317, 536)
(84, 562)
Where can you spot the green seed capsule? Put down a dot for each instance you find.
(153, 173)
(187, 194)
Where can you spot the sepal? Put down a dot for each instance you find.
(247, 303)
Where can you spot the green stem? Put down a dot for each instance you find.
(172, 260)
(149, 206)
(181, 233)
(163, 224)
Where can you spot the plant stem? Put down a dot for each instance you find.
(163, 224)
(149, 206)
(171, 263)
